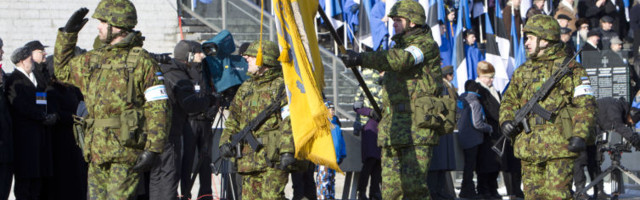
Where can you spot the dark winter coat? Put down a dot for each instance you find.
(31, 139)
(488, 160)
(6, 131)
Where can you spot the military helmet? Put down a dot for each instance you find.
(118, 13)
(410, 10)
(270, 52)
(543, 27)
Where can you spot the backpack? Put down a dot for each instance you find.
(435, 112)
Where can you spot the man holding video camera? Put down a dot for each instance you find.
(614, 115)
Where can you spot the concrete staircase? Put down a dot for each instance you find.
(241, 18)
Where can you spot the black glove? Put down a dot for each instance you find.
(576, 144)
(50, 119)
(286, 159)
(146, 160)
(635, 141)
(510, 129)
(358, 104)
(374, 115)
(351, 58)
(227, 150)
(162, 58)
(76, 21)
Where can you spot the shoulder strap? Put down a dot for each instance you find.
(273, 107)
(130, 64)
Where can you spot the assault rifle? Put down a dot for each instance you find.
(533, 106)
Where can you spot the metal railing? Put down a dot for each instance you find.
(234, 10)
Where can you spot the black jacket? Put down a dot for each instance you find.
(488, 160)
(6, 131)
(183, 98)
(31, 139)
(612, 115)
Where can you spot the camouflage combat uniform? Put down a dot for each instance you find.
(546, 161)
(102, 77)
(260, 178)
(406, 149)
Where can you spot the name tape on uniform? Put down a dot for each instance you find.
(156, 92)
(417, 54)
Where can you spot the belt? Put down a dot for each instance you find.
(399, 107)
(113, 122)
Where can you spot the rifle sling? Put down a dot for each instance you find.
(540, 110)
(262, 116)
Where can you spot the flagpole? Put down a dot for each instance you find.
(353, 69)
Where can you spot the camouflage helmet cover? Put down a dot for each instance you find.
(410, 10)
(270, 52)
(118, 13)
(543, 27)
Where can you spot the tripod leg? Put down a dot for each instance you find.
(630, 175)
(596, 180)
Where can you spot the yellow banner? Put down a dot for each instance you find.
(303, 75)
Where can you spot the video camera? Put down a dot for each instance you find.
(612, 141)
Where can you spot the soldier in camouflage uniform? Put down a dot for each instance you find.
(412, 71)
(547, 152)
(125, 98)
(263, 174)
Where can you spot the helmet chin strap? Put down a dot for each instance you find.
(537, 50)
(109, 35)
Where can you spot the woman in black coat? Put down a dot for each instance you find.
(489, 162)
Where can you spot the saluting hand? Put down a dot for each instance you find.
(76, 21)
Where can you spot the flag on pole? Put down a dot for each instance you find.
(493, 55)
(498, 50)
(458, 58)
(333, 8)
(303, 76)
(431, 11)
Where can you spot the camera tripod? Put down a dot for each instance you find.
(616, 170)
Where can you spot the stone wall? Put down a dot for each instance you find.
(24, 20)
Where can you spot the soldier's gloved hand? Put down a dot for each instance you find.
(76, 21)
(146, 160)
(358, 104)
(374, 115)
(227, 150)
(510, 129)
(351, 58)
(286, 159)
(576, 144)
(50, 119)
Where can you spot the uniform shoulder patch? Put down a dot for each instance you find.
(582, 90)
(417, 54)
(156, 92)
(284, 112)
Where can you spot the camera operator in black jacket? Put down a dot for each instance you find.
(614, 115)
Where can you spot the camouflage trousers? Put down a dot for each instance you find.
(112, 181)
(268, 185)
(548, 180)
(404, 172)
